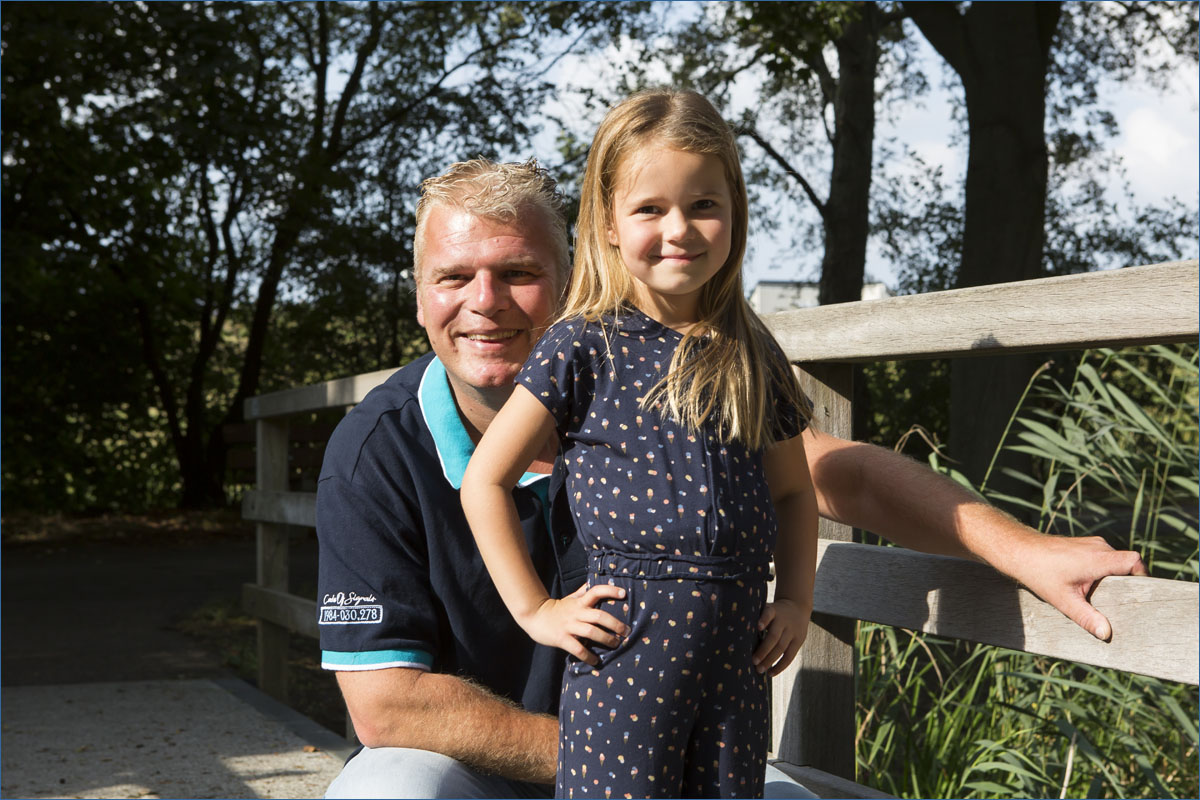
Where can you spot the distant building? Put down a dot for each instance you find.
(767, 297)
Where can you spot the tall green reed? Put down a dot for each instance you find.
(1114, 446)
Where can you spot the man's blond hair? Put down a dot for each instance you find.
(504, 192)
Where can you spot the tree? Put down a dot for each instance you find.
(790, 40)
(1005, 55)
(191, 165)
(833, 62)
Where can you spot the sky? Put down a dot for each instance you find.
(1158, 142)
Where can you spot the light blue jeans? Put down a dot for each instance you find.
(398, 772)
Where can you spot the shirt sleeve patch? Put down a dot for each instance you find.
(376, 659)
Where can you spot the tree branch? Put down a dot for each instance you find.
(214, 249)
(945, 28)
(369, 45)
(430, 91)
(151, 355)
(828, 84)
(788, 168)
(1047, 15)
(322, 68)
(569, 48)
(289, 11)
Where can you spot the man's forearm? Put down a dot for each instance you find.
(895, 497)
(909, 504)
(448, 715)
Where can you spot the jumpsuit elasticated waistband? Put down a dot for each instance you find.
(658, 567)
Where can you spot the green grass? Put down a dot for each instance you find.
(1115, 454)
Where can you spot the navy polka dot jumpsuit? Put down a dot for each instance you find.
(684, 523)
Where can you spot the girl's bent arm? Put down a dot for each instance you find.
(514, 437)
(785, 621)
(510, 443)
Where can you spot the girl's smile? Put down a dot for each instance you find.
(672, 223)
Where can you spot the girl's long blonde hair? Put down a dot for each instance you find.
(735, 374)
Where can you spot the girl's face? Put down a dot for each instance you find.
(672, 220)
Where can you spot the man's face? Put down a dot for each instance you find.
(485, 294)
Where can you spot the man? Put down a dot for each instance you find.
(448, 695)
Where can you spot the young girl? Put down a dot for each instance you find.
(679, 421)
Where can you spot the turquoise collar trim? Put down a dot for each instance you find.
(454, 445)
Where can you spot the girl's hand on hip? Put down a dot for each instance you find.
(783, 627)
(567, 622)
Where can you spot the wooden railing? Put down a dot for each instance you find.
(813, 701)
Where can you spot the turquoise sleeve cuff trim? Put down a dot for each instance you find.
(376, 659)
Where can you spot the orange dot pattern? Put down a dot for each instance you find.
(684, 522)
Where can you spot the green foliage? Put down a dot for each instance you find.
(1115, 454)
(949, 719)
(174, 173)
(908, 403)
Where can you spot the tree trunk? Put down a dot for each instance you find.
(846, 214)
(1001, 53)
(846, 217)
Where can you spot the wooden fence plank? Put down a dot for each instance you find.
(285, 508)
(822, 784)
(315, 397)
(1155, 621)
(285, 610)
(812, 701)
(1138, 305)
(271, 450)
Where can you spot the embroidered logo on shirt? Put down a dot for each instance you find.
(349, 608)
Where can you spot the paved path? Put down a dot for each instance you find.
(195, 738)
(102, 699)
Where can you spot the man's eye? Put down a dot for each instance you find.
(520, 274)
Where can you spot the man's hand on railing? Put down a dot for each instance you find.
(1063, 571)
(906, 502)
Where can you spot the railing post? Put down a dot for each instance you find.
(812, 702)
(272, 555)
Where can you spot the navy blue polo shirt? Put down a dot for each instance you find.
(401, 583)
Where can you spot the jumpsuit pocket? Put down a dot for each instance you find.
(621, 609)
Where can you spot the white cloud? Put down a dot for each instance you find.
(1159, 144)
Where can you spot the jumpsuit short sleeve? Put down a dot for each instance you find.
(790, 419)
(557, 374)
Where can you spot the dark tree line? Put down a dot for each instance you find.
(206, 201)
(183, 180)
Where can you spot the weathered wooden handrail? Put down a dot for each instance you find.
(1117, 308)
(959, 599)
(813, 702)
(315, 397)
(1137, 305)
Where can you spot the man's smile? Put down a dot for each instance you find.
(494, 336)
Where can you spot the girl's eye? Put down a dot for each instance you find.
(704, 205)
(647, 210)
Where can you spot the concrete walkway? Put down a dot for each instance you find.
(103, 697)
(194, 738)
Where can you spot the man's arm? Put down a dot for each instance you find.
(446, 714)
(895, 497)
